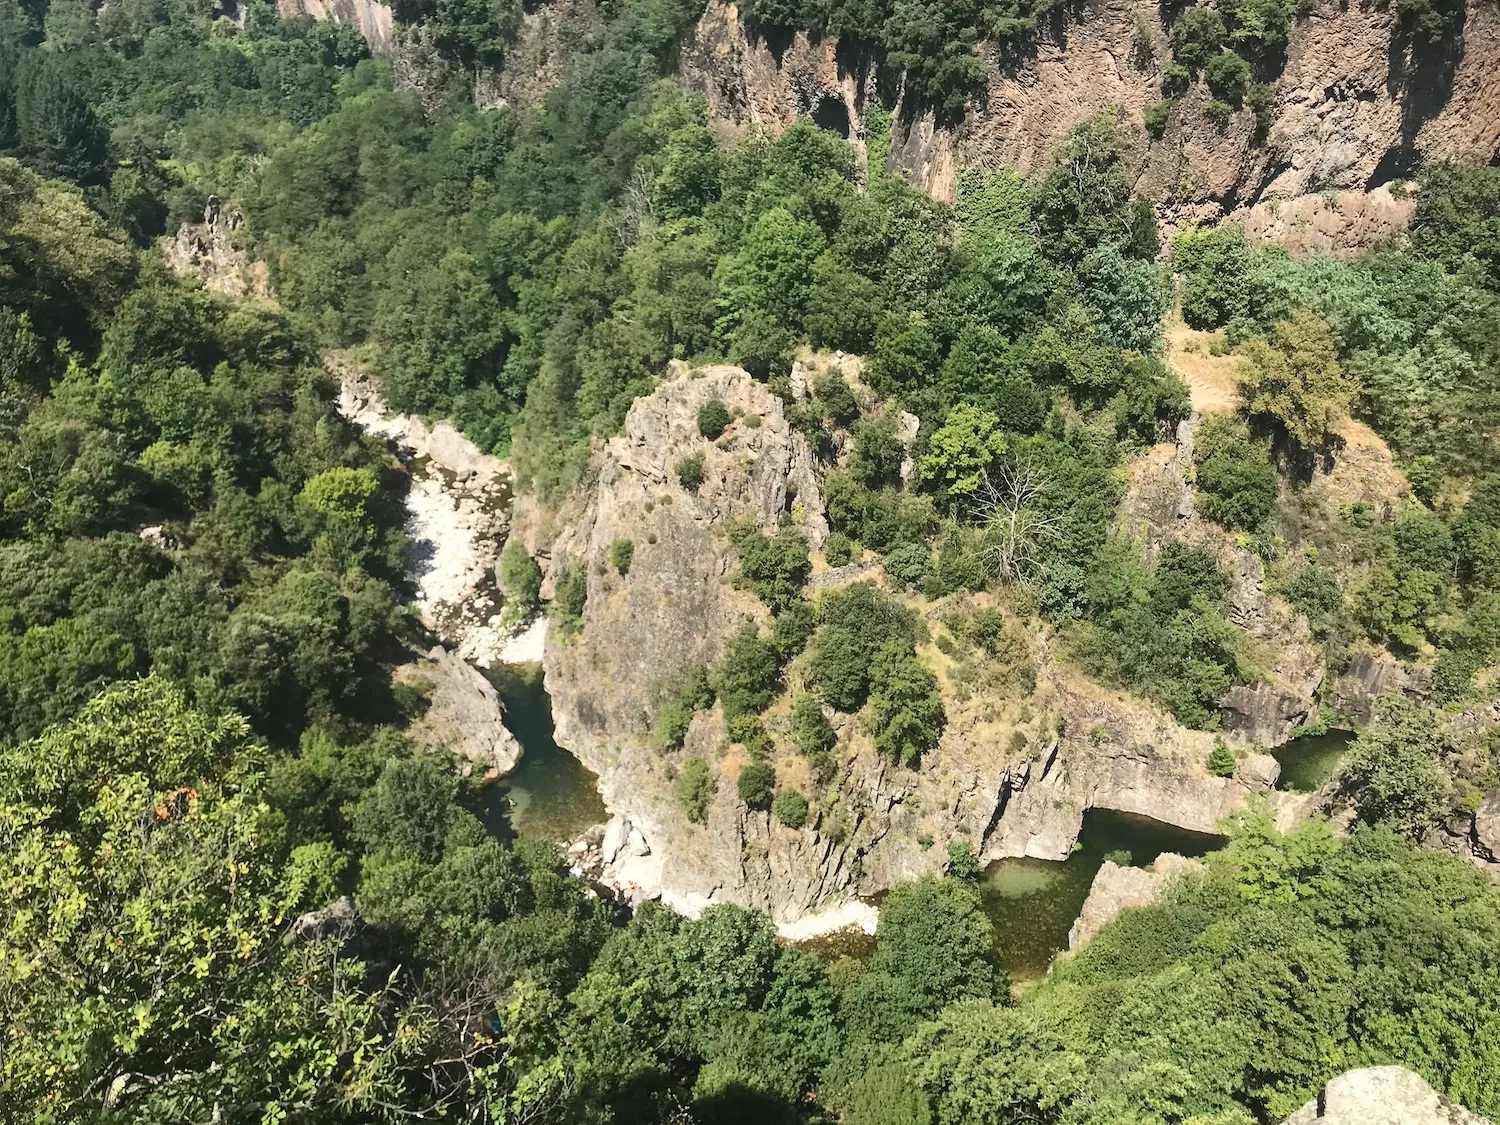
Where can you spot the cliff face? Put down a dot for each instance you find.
(1354, 110)
(371, 18)
(1017, 767)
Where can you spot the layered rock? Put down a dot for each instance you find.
(1014, 772)
(1116, 888)
(1356, 108)
(1382, 1095)
(206, 251)
(370, 18)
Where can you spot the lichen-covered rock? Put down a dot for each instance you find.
(1487, 828)
(1116, 888)
(1382, 1095)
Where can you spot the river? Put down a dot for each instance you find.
(1032, 903)
(1308, 763)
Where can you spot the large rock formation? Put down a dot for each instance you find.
(1116, 888)
(1356, 108)
(370, 18)
(207, 252)
(464, 713)
(1382, 1095)
(1014, 774)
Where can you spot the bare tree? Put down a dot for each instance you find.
(1015, 527)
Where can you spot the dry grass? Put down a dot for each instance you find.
(1213, 381)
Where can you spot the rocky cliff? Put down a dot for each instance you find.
(1016, 770)
(370, 17)
(1382, 1095)
(1355, 110)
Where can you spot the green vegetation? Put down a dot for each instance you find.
(1221, 762)
(621, 554)
(755, 784)
(694, 789)
(713, 419)
(689, 472)
(521, 579)
(1236, 483)
(790, 807)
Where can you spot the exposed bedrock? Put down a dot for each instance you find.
(1009, 784)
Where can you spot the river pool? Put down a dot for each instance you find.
(1307, 763)
(549, 794)
(1033, 903)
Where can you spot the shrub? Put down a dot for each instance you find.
(906, 712)
(908, 566)
(1218, 112)
(1236, 483)
(1196, 36)
(621, 553)
(713, 419)
(1261, 100)
(963, 864)
(571, 594)
(838, 549)
(791, 629)
(855, 622)
(750, 732)
(1157, 115)
(749, 675)
(1120, 857)
(692, 693)
(811, 730)
(521, 579)
(695, 789)
(790, 807)
(1228, 76)
(835, 398)
(775, 567)
(1221, 762)
(755, 783)
(987, 630)
(690, 472)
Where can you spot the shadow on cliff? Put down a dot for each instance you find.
(1421, 64)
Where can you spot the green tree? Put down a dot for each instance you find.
(694, 789)
(748, 677)
(755, 782)
(906, 713)
(1236, 483)
(1294, 376)
(1394, 770)
(1221, 762)
(521, 578)
(713, 420)
(621, 553)
(934, 938)
(961, 452)
(790, 807)
(811, 730)
(55, 125)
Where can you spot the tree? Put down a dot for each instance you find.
(1016, 525)
(1235, 481)
(521, 578)
(835, 398)
(905, 711)
(1221, 762)
(934, 937)
(1394, 771)
(790, 807)
(1294, 376)
(55, 125)
(755, 783)
(775, 567)
(1196, 36)
(694, 789)
(689, 472)
(961, 452)
(1216, 264)
(621, 553)
(811, 730)
(748, 677)
(906, 354)
(713, 419)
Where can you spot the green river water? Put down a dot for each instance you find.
(1032, 903)
(550, 794)
(1306, 763)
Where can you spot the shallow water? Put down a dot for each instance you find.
(1306, 763)
(550, 794)
(1033, 903)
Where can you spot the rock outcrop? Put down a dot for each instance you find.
(1013, 775)
(1486, 833)
(1159, 507)
(464, 713)
(1382, 1095)
(1116, 888)
(370, 18)
(207, 252)
(458, 515)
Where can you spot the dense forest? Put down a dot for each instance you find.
(202, 593)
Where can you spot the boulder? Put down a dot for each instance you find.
(1487, 828)
(339, 920)
(1367, 676)
(1382, 1095)
(464, 712)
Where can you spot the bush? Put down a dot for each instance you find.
(811, 730)
(878, 453)
(689, 472)
(621, 553)
(1236, 483)
(748, 678)
(692, 693)
(695, 789)
(854, 623)
(1228, 76)
(713, 419)
(790, 807)
(790, 630)
(776, 568)
(963, 864)
(835, 398)
(1157, 114)
(906, 712)
(987, 630)
(521, 579)
(838, 549)
(571, 594)
(755, 783)
(1196, 36)
(1219, 113)
(908, 566)
(1221, 762)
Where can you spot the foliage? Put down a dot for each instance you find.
(854, 624)
(1221, 762)
(1394, 770)
(811, 730)
(621, 554)
(521, 578)
(838, 549)
(961, 451)
(1236, 483)
(790, 807)
(571, 593)
(834, 398)
(713, 419)
(775, 567)
(905, 711)
(755, 783)
(694, 789)
(1294, 376)
(689, 471)
(748, 677)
